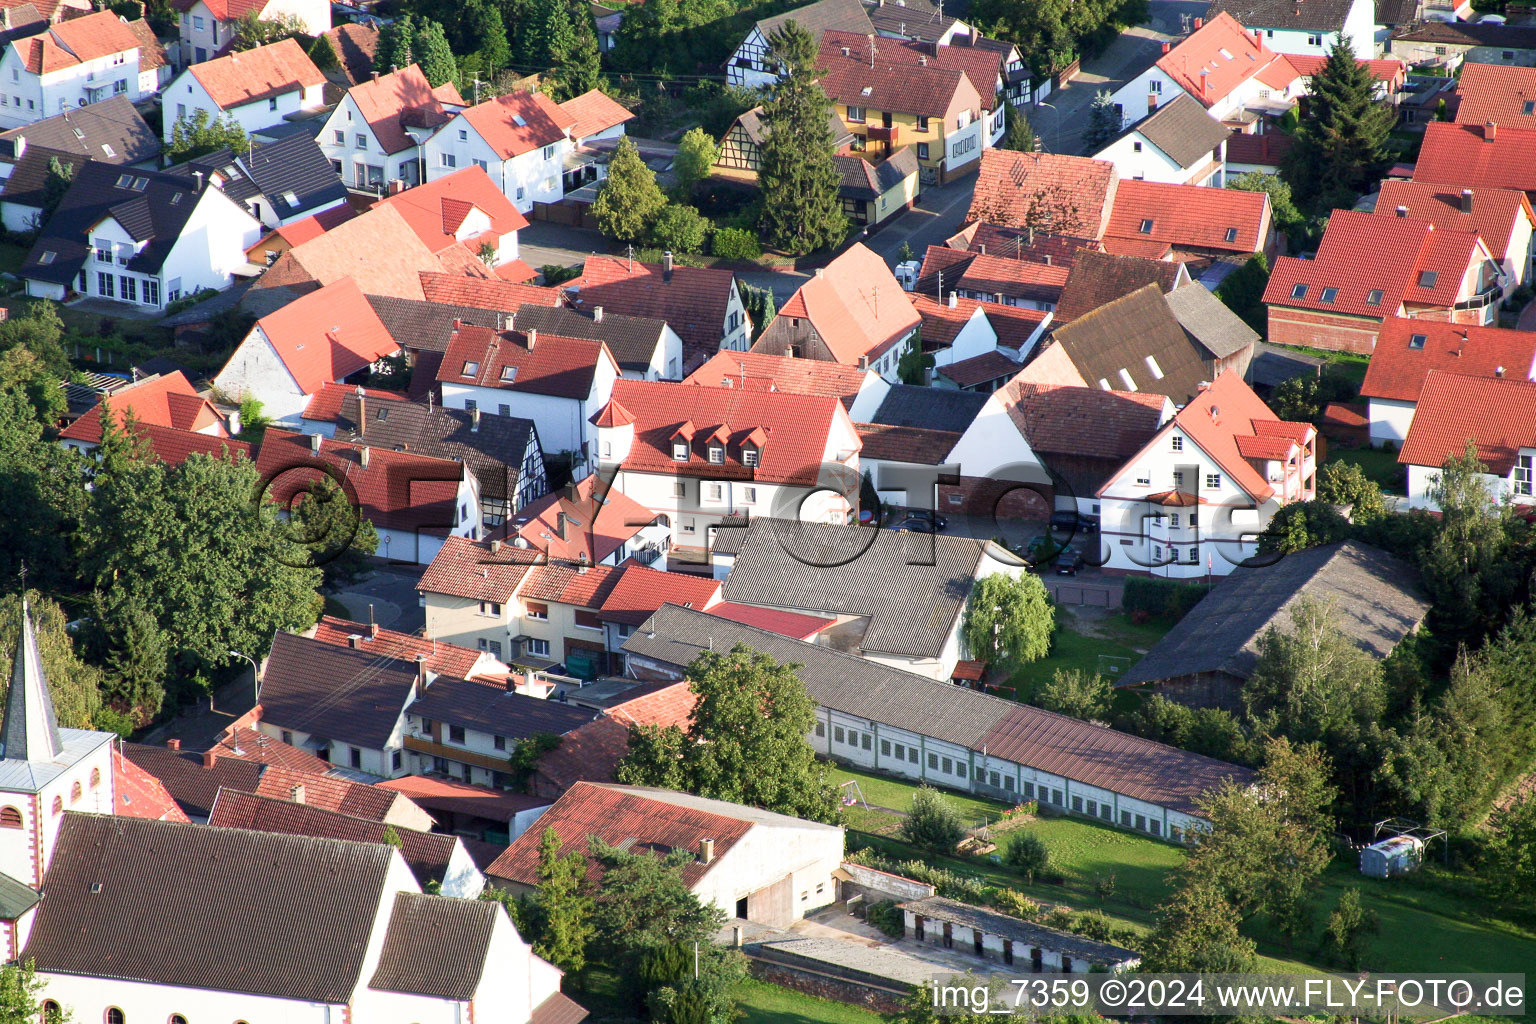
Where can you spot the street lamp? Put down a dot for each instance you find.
(255, 673)
(1057, 119)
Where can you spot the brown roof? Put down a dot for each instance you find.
(334, 693)
(436, 946)
(467, 568)
(354, 45)
(523, 362)
(758, 371)
(558, 1009)
(918, 445)
(1087, 421)
(1079, 190)
(135, 899)
(982, 65)
(978, 369)
(592, 752)
(327, 792)
(252, 745)
(900, 87)
(442, 657)
(1135, 343)
(692, 300)
(247, 76)
(184, 776)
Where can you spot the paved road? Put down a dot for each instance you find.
(391, 590)
(940, 213)
(1061, 120)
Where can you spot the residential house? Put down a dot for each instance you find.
(1315, 29)
(709, 457)
(753, 864)
(751, 65)
(1046, 192)
(1446, 42)
(960, 330)
(110, 131)
(280, 239)
(1035, 244)
(702, 304)
(462, 209)
(413, 501)
(741, 148)
(74, 63)
(878, 717)
(1503, 219)
(324, 337)
(645, 348)
(1136, 343)
(375, 134)
(369, 957)
(19, 13)
(887, 103)
(145, 238)
(490, 816)
(1478, 156)
(861, 391)
(985, 277)
(1235, 75)
(1178, 143)
(207, 26)
(592, 752)
(501, 451)
(1263, 153)
(442, 659)
(244, 742)
(469, 593)
(558, 383)
(520, 139)
(193, 779)
(591, 522)
(174, 446)
(255, 88)
(1225, 342)
(354, 45)
(164, 400)
(1190, 223)
(600, 124)
(438, 862)
(637, 592)
(1497, 93)
(424, 329)
(1193, 502)
(838, 316)
(1389, 74)
(490, 293)
(1369, 268)
(1493, 414)
(1097, 278)
(898, 598)
(279, 182)
(1375, 598)
(1408, 350)
(872, 191)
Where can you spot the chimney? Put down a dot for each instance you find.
(707, 850)
(173, 744)
(1167, 47)
(821, 271)
(1490, 131)
(1205, 83)
(532, 339)
(423, 677)
(1402, 211)
(314, 443)
(597, 314)
(375, 75)
(362, 412)
(1047, 258)
(1466, 200)
(847, 52)
(296, 793)
(666, 266)
(210, 758)
(362, 457)
(355, 641)
(495, 547)
(922, 61)
(474, 422)
(1199, 24)
(954, 300)
(197, 177)
(863, 362)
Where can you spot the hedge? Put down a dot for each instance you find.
(1153, 596)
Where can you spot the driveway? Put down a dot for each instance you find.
(391, 591)
(1060, 121)
(940, 213)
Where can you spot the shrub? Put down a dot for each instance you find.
(887, 918)
(681, 229)
(1061, 918)
(1011, 901)
(1150, 596)
(933, 823)
(1028, 854)
(554, 273)
(736, 244)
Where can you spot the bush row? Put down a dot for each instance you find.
(1152, 596)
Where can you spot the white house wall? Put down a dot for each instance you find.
(765, 855)
(524, 179)
(352, 161)
(1136, 158)
(255, 370)
(186, 95)
(29, 97)
(1390, 419)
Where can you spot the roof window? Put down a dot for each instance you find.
(125, 181)
(78, 133)
(290, 199)
(1427, 278)
(866, 90)
(1154, 369)
(1329, 295)
(1374, 298)
(47, 258)
(1416, 341)
(508, 374)
(1529, 108)
(471, 369)
(1146, 226)
(1298, 291)
(140, 184)
(517, 119)
(1231, 234)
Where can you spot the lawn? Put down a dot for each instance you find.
(1084, 853)
(882, 791)
(762, 1003)
(1378, 465)
(1072, 648)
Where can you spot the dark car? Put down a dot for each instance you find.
(917, 524)
(1040, 550)
(1068, 562)
(1074, 521)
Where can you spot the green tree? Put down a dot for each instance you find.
(1341, 141)
(198, 134)
(1077, 693)
(431, 52)
(1243, 292)
(1350, 926)
(1509, 865)
(630, 200)
(1282, 206)
(40, 331)
(252, 30)
(393, 52)
(1103, 121)
(759, 305)
(61, 174)
(799, 180)
(553, 36)
(582, 70)
(42, 483)
(34, 384)
(1466, 567)
(134, 651)
(932, 822)
(642, 903)
(1345, 483)
(696, 156)
(680, 229)
(1301, 525)
(1196, 931)
(21, 992)
(914, 364)
(1018, 135)
(557, 915)
(745, 740)
(324, 54)
(74, 685)
(1009, 620)
(330, 531)
(1028, 854)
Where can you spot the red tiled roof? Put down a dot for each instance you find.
(1461, 155)
(1497, 414)
(1146, 248)
(391, 102)
(1019, 279)
(168, 400)
(791, 624)
(1362, 253)
(591, 752)
(919, 445)
(436, 210)
(981, 65)
(564, 583)
(639, 591)
(943, 321)
(396, 490)
(1495, 213)
(327, 792)
(693, 302)
(1195, 216)
(594, 112)
(151, 53)
(797, 429)
(516, 271)
(979, 369)
(1084, 421)
(485, 293)
(554, 366)
(1009, 183)
(442, 657)
(224, 10)
(758, 371)
(855, 304)
(301, 231)
(899, 85)
(139, 794)
(378, 247)
(325, 405)
(253, 745)
(1388, 69)
(1221, 55)
(603, 525)
(76, 41)
(462, 798)
(327, 334)
(519, 122)
(466, 568)
(1495, 92)
(247, 76)
(620, 816)
(1397, 369)
(355, 45)
(173, 447)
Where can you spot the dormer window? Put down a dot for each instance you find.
(749, 456)
(716, 454)
(680, 451)
(471, 369)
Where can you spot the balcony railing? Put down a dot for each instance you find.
(1491, 293)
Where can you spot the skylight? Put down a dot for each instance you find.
(105, 148)
(1146, 226)
(508, 374)
(1529, 108)
(1226, 53)
(176, 199)
(1427, 278)
(1329, 294)
(1417, 341)
(1298, 291)
(47, 258)
(1374, 298)
(125, 181)
(1231, 234)
(470, 370)
(290, 199)
(78, 133)
(1125, 375)
(866, 90)
(1156, 371)
(517, 119)
(140, 184)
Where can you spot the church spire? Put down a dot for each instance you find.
(31, 732)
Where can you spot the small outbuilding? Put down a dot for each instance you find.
(994, 936)
(1398, 855)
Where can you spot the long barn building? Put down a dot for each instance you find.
(907, 725)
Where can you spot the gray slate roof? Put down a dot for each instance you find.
(293, 164)
(1122, 334)
(908, 405)
(435, 946)
(1313, 15)
(1276, 364)
(822, 16)
(861, 179)
(756, 128)
(818, 567)
(86, 130)
(16, 898)
(1089, 753)
(1376, 596)
(990, 922)
(426, 326)
(334, 693)
(152, 919)
(631, 339)
(1209, 321)
(497, 711)
(1183, 130)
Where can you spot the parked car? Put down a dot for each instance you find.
(1066, 519)
(931, 520)
(1040, 550)
(1068, 561)
(917, 524)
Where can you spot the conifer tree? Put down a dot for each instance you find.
(429, 47)
(801, 210)
(1341, 139)
(1020, 134)
(630, 199)
(394, 50)
(581, 72)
